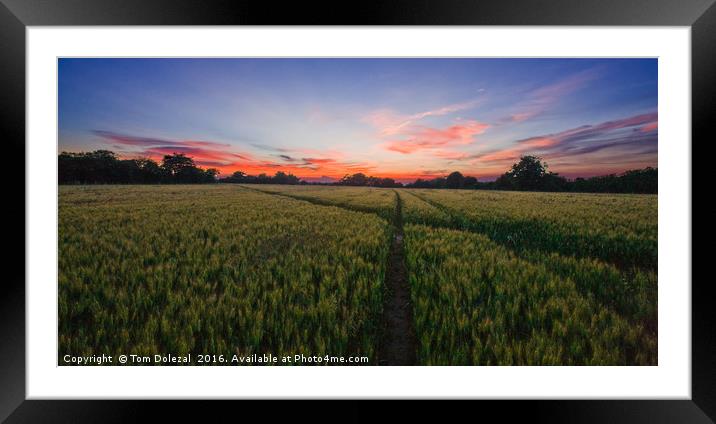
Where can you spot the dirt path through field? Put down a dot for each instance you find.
(398, 344)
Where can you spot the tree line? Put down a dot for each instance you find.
(529, 174)
(361, 179)
(358, 180)
(280, 177)
(104, 167)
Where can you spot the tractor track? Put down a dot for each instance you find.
(398, 345)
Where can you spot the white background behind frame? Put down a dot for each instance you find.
(671, 379)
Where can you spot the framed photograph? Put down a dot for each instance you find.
(453, 201)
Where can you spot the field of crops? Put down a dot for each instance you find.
(620, 229)
(216, 269)
(365, 199)
(495, 278)
(476, 302)
(532, 278)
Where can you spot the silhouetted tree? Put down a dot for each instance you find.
(358, 179)
(282, 178)
(150, 171)
(455, 180)
(211, 174)
(177, 164)
(236, 177)
(528, 173)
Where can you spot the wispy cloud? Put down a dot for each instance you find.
(204, 153)
(268, 148)
(389, 122)
(131, 140)
(540, 100)
(636, 134)
(288, 158)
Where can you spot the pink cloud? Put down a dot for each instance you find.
(653, 126)
(538, 142)
(502, 155)
(520, 117)
(451, 154)
(421, 138)
(202, 156)
(646, 118)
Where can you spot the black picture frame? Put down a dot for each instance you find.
(16, 15)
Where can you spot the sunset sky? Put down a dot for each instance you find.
(402, 118)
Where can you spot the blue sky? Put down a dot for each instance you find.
(400, 118)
